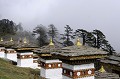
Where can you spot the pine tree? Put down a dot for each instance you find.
(53, 32)
(67, 36)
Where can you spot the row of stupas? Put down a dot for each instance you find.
(19, 52)
(72, 62)
(112, 63)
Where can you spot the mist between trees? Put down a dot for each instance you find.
(42, 34)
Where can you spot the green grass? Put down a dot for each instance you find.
(9, 71)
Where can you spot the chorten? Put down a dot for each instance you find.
(102, 69)
(11, 39)
(1, 39)
(51, 68)
(103, 74)
(25, 40)
(78, 42)
(51, 43)
(24, 53)
(24, 57)
(112, 63)
(2, 51)
(78, 61)
(35, 61)
(11, 54)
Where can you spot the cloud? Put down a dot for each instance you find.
(86, 14)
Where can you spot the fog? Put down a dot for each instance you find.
(103, 15)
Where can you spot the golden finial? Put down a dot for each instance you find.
(1, 39)
(102, 69)
(11, 39)
(25, 40)
(51, 43)
(78, 42)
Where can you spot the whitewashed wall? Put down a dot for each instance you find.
(78, 67)
(55, 73)
(51, 73)
(2, 53)
(25, 62)
(91, 77)
(11, 56)
(50, 61)
(26, 53)
(35, 65)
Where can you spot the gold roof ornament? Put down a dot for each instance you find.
(11, 39)
(78, 42)
(51, 42)
(1, 39)
(25, 40)
(102, 69)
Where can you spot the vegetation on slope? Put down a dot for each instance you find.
(9, 71)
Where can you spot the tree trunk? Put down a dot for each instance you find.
(83, 39)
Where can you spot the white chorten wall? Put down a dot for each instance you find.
(35, 62)
(51, 69)
(91, 77)
(25, 59)
(11, 54)
(2, 52)
(84, 71)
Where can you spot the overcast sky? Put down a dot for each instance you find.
(84, 14)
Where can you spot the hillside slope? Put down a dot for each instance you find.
(9, 71)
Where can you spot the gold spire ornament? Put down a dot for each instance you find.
(51, 43)
(78, 42)
(102, 69)
(1, 39)
(25, 40)
(11, 39)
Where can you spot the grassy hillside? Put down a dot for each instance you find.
(9, 71)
